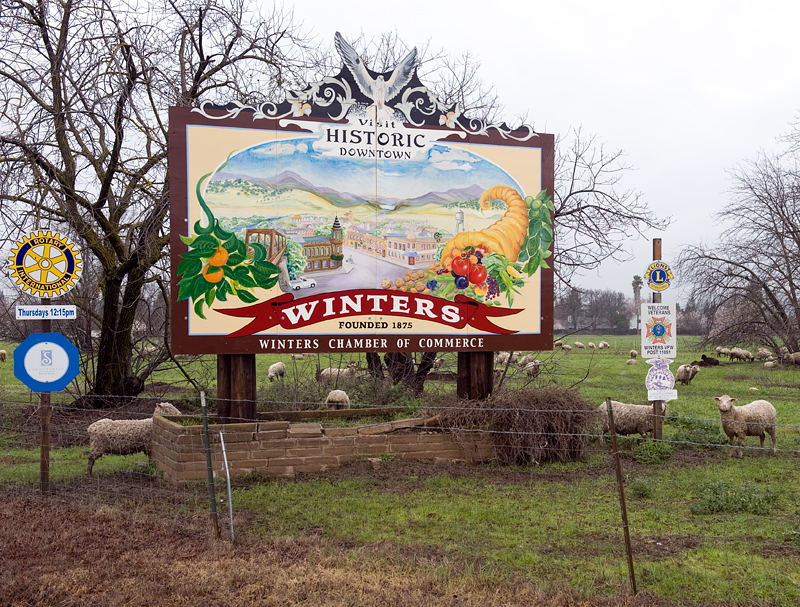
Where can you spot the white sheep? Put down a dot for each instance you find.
(772, 364)
(591, 345)
(533, 369)
(276, 370)
(753, 419)
(763, 354)
(296, 356)
(3, 355)
(580, 345)
(337, 399)
(566, 348)
(330, 374)
(525, 360)
(685, 374)
(558, 343)
(123, 436)
(634, 353)
(603, 344)
(630, 361)
(505, 357)
(628, 419)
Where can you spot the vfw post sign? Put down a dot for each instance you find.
(658, 330)
(358, 214)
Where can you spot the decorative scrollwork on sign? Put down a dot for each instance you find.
(334, 98)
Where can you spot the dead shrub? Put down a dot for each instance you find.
(527, 426)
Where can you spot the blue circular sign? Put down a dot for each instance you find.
(46, 362)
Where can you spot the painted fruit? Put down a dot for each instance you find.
(462, 282)
(213, 276)
(480, 289)
(461, 267)
(219, 258)
(478, 275)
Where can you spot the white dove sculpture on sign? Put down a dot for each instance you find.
(378, 89)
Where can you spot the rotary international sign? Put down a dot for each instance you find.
(358, 214)
(45, 264)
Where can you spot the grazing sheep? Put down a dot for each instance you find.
(505, 357)
(685, 374)
(633, 353)
(628, 419)
(533, 369)
(276, 370)
(580, 345)
(740, 354)
(525, 360)
(724, 352)
(603, 344)
(337, 399)
(330, 374)
(123, 436)
(558, 343)
(297, 356)
(3, 355)
(763, 354)
(566, 348)
(630, 361)
(772, 364)
(709, 361)
(591, 345)
(753, 419)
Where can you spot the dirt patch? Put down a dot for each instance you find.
(69, 554)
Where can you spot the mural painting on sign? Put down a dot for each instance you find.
(358, 214)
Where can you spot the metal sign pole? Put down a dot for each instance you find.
(45, 413)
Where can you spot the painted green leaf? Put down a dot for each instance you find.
(197, 253)
(190, 267)
(187, 239)
(198, 308)
(247, 281)
(210, 296)
(205, 241)
(222, 291)
(246, 296)
(184, 290)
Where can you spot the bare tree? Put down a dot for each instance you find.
(747, 283)
(453, 79)
(85, 86)
(595, 215)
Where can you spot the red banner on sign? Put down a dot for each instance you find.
(289, 313)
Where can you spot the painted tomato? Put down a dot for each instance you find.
(477, 275)
(461, 266)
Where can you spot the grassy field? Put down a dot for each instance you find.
(706, 529)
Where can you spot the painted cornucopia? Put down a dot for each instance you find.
(486, 263)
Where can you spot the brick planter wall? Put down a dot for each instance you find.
(284, 449)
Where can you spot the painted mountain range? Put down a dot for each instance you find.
(290, 179)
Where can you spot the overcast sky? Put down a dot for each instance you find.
(686, 89)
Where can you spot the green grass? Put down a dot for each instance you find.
(706, 529)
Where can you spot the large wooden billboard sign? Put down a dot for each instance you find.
(360, 214)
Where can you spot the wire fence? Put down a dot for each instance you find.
(696, 517)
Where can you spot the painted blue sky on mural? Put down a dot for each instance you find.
(440, 168)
